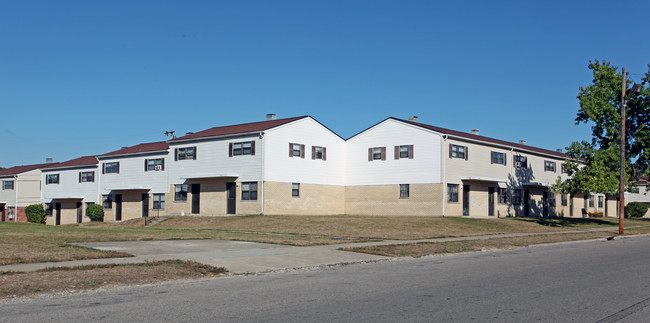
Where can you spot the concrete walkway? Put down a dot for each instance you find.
(247, 257)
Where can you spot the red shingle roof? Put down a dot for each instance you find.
(141, 148)
(81, 161)
(240, 128)
(22, 169)
(484, 139)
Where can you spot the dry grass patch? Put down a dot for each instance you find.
(431, 248)
(52, 280)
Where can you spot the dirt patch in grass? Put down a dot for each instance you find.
(52, 280)
(431, 248)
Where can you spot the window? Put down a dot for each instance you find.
(452, 192)
(404, 191)
(516, 196)
(502, 195)
(85, 177)
(249, 191)
(107, 201)
(185, 153)
(551, 200)
(242, 148)
(404, 151)
(600, 202)
(295, 189)
(158, 201)
(565, 170)
(7, 185)
(456, 151)
(376, 153)
(180, 192)
(564, 200)
(318, 152)
(49, 207)
(498, 158)
(157, 164)
(521, 161)
(629, 189)
(549, 166)
(591, 201)
(11, 211)
(53, 179)
(111, 168)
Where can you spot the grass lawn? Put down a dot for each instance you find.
(28, 243)
(432, 248)
(52, 280)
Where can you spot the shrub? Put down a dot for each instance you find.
(35, 213)
(636, 209)
(596, 214)
(95, 212)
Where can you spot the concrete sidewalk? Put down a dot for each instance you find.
(247, 257)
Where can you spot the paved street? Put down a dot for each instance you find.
(582, 282)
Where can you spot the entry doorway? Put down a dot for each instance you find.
(231, 188)
(465, 200)
(196, 198)
(145, 205)
(57, 213)
(545, 204)
(2, 213)
(490, 201)
(79, 212)
(118, 207)
(526, 203)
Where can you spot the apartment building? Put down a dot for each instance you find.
(21, 186)
(299, 166)
(639, 192)
(68, 188)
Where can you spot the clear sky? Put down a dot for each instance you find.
(88, 77)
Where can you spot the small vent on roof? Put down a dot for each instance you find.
(475, 132)
(271, 116)
(124, 147)
(413, 118)
(559, 150)
(49, 160)
(188, 133)
(522, 142)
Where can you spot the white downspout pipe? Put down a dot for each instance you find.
(512, 158)
(16, 200)
(444, 176)
(262, 173)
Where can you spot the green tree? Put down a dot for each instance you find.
(595, 166)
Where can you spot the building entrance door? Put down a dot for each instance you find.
(231, 187)
(118, 207)
(490, 201)
(196, 198)
(465, 200)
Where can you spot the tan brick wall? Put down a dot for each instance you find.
(313, 199)
(478, 201)
(424, 199)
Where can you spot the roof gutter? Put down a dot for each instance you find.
(240, 134)
(132, 154)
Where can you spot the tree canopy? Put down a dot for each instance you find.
(595, 166)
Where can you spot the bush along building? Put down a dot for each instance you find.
(298, 166)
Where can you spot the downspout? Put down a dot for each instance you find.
(262, 173)
(16, 200)
(444, 176)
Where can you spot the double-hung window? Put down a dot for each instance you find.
(295, 189)
(107, 202)
(156, 164)
(180, 192)
(549, 166)
(591, 201)
(565, 170)
(502, 195)
(456, 151)
(186, 153)
(452, 192)
(249, 191)
(564, 200)
(600, 202)
(376, 153)
(498, 158)
(52, 179)
(241, 148)
(85, 177)
(318, 152)
(521, 161)
(296, 150)
(158, 201)
(7, 185)
(113, 167)
(404, 191)
(516, 196)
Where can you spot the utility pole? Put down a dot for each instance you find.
(621, 184)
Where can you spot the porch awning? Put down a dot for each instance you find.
(132, 188)
(484, 179)
(68, 198)
(211, 176)
(534, 185)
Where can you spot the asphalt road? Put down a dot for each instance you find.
(606, 281)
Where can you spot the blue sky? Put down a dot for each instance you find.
(88, 77)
